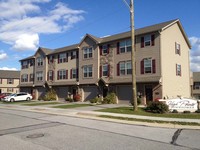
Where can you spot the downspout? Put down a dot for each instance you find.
(161, 74)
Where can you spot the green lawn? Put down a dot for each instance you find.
(72, 106)
(18, 102)
(141, 111)
(42, 103)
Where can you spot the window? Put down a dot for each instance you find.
(87, 71)
(73, 54)
(10, 90)
(39, 61)
(10, 81)
(178, 70)
(24, 78)
(24, 64)
(147, 40)
(105, 70)
(50, 59)
(62, 74)
(196, 86)
(177, 49)
(148, 65)
(74, 73)
(31, 62)
(50, 75)
(87, 52)
(62, 58)
(125, 46)
(31, 78)
(125, 68)
(39, 76)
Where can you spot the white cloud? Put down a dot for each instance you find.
(7, 68)
(22, 23)
(195, 54)
(3, 55)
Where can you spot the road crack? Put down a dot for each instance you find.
(175, 136)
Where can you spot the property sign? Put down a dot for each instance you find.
(182, 104)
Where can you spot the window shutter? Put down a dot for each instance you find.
(48, 76)
(180, 71)
(76, 54)
(66, 74)
(71, 55)
(70, 73)
(58, 59)
(100, 50)
(117, 47)
(142, 42)
(142, 67)
(108, 70)
(175, 48)
(176, 69)
(108, 46)
(77, 73)
(152, 40)
(48, 59)
(100, 71)
(154, 65)
(52, 75)
(118, 69)
(57, 75)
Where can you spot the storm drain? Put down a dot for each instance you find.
(33, 136)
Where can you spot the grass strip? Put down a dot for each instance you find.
(42, 103)
(142, 112)
(151, 121)
(72, 106)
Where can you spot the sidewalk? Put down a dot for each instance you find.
(89, 112)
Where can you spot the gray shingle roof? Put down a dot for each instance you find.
(8, 74)
(66, 48)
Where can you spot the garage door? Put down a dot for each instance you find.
(90, 92)
(41, 92)
(124, 94)
(62, 92)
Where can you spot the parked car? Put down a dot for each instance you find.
(18, 97)
(2, 95)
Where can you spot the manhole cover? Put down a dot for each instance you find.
(38, 135)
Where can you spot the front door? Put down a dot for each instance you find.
(148, 92)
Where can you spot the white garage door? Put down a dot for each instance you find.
(62, 92)
(90, 92)
(124, 94)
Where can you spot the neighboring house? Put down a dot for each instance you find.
(9, 81)
(101, 65)
(196, 85)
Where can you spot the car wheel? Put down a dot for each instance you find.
(12, 100)
(28, 99)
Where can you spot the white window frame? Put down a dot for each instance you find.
(178, 48)
(24, 78)
(10, 81)
(31, 77)
(39, 76)
(105, 70)
(62, 57)
(74, 73)
(178, 70)
(73, 55)
(105, 49)
(125, 68)
(88, 71)
(50, 75)
(87, 52)
(39, 61)
(125, 46)
(148, 64)
(62, 74)
(24, 64)
(147, 40)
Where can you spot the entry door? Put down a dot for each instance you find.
(148, 92)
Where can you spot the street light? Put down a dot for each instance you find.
(134, 95)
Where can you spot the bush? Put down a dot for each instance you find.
(50, 95)
(157, 107)
(186, 112)
(69, 99)
(77, 97)
(95, 100)
(175, 111)
(197, 111)
(110, 99)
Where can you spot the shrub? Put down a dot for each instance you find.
(69, 99)
(50, 95)
(95, 100)
(175, 111)
(110, 99)
(186, 112)
(157, 107)
(197, 111)
(77, 97)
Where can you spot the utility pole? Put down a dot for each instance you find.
(133, 56)
(134, 94)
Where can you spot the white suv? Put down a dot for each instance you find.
(18, 97)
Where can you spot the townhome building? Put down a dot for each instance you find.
(99, 65)
(196, 85)
(9, 81)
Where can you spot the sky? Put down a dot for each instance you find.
(26, 25)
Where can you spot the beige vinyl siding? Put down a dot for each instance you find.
(174, 85)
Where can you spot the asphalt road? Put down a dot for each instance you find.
(21, 130)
